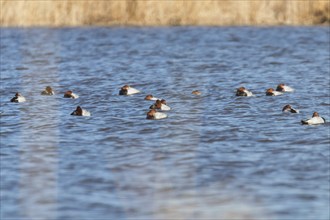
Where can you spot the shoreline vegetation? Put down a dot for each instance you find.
(60, 13)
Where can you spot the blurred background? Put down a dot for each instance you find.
(161, 12)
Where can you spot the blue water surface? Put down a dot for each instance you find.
(216, 156)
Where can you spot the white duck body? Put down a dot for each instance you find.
(154, 115)
(70, 94)
(288, 89)
(151, 98)
(165, 107)
(248, 93)
(131, 91)
(86, 113)
(284, 88)
(18, 98)
(21, 99)
(160, 115)
(127, 90)
(75, 96)
(314, 121)
(272, 92)
(276, 93)
(81, 112)
(160, 106)
(243, 92)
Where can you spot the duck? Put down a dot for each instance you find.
(127, 90)
(243, 92)
(18, 98)
(70, 94)
(272, 92)
(48, 91)
(160, 105)
(316, 119)
(151, 97)
(154, 115)
(284, 88)
(81, 112)
(288, 108)
(196, 92)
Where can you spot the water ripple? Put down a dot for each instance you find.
(216, 155)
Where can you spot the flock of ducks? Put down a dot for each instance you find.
(281, 88)
(160, 105)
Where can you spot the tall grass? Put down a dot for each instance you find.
(163, 12)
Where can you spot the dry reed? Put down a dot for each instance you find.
(163, 12)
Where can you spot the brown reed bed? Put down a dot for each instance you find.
(163, 12)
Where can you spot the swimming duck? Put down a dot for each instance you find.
(316, 119)
(284, 88)
(127, 90)
(196, 92)
(288, 108)
(160, 105)
(272, 92)
(243, 92)
(81, 112)
(150, 97)
(48, 91)
(154, 115)
(18, 98)
(70, 94)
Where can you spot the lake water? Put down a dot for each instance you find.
(216, 155)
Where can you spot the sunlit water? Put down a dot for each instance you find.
(215, 156)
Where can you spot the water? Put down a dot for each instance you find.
(215, 156)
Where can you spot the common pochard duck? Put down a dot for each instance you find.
(48, 91)
(18, 98)
(316, 119)
(288, 108)
(160, 105)
(284, 88)
(81, 112)
(70, 94)
(151, 97)
(243, 92)
(272, 92)
(154, 115)
(196, 92)
(127, 90)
